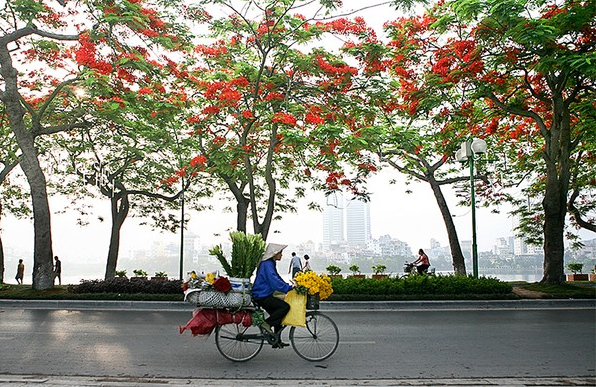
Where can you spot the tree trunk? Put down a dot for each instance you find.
(556, 155)
(459, 264)
(120, 207)
(43, 277)
(241, 214)
(1, 252)
(1, 261)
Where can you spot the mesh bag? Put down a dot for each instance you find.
(192, 296)
(215, 299)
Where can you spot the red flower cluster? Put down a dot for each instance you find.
(312, 118)
(225, 92)
(209, 110)
(199, 160)
(85, 55)
(335, 70)
(284, 118)
(345, 26)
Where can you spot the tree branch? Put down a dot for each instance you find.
(577, 214)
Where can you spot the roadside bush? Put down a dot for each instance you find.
(420, 285)
(124, 285)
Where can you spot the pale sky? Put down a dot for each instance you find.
(413, 218)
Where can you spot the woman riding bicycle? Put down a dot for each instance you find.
(268, 281)
(423, 261)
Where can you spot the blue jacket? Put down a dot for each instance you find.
(268, 280)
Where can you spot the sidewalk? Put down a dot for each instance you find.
(62, 381)
(325, 305)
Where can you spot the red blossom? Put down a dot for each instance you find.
(219, 140)
(210, 110)
(312, 118)
(284, 118)
(199, 160)
(195, 119)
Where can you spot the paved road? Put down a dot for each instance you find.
(388, 346)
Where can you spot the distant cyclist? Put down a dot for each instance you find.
(422, 263)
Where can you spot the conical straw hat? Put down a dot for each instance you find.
(271, 250)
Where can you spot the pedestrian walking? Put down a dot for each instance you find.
(20, 272)
(57, 270)
(306, 266)
(295, 265)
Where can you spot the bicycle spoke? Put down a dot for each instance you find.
(318, 340)
(238, 343)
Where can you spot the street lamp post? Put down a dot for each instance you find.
(182, 233)
(469, 152)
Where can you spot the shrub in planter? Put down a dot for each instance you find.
(576, 268)
(379, 271)
(121, 273)
(160, 276)
(140, 273)
(355, 269)
(333, 270)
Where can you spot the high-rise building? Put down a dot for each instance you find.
(333, 226)
(358, 223)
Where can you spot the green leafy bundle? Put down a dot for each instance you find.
(247, 251)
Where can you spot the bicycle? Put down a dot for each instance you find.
(317, 341)
(410, 269)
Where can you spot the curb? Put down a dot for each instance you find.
(97, 381)
(325, 305)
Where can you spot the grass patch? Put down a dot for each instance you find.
(587, 290)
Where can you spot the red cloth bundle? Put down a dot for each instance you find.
(204, 321)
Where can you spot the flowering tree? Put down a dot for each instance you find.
(73, 42)
(132, 169)
(415, 125)
(529, 66)
(272, 109)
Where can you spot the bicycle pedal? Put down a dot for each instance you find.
(281, 344)
(271, 339)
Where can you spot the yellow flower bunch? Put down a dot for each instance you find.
(210, 277)
(314, 283)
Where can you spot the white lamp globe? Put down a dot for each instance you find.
(460, 156)
(479, 146)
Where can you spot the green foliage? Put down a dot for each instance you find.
(355, 269)
(333, 269)
(161, 274)
(420, 285)
(247, 250)
(123, 285)
(379, 268)
(121, 273)
(140, 273)
(562, 291)
(575, 267)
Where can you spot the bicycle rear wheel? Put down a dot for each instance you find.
(318, 340)
(238, 343)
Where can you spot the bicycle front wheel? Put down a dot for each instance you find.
(238, 343)
(317, 340)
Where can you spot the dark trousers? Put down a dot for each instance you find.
(422, 269)
(276, 308)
